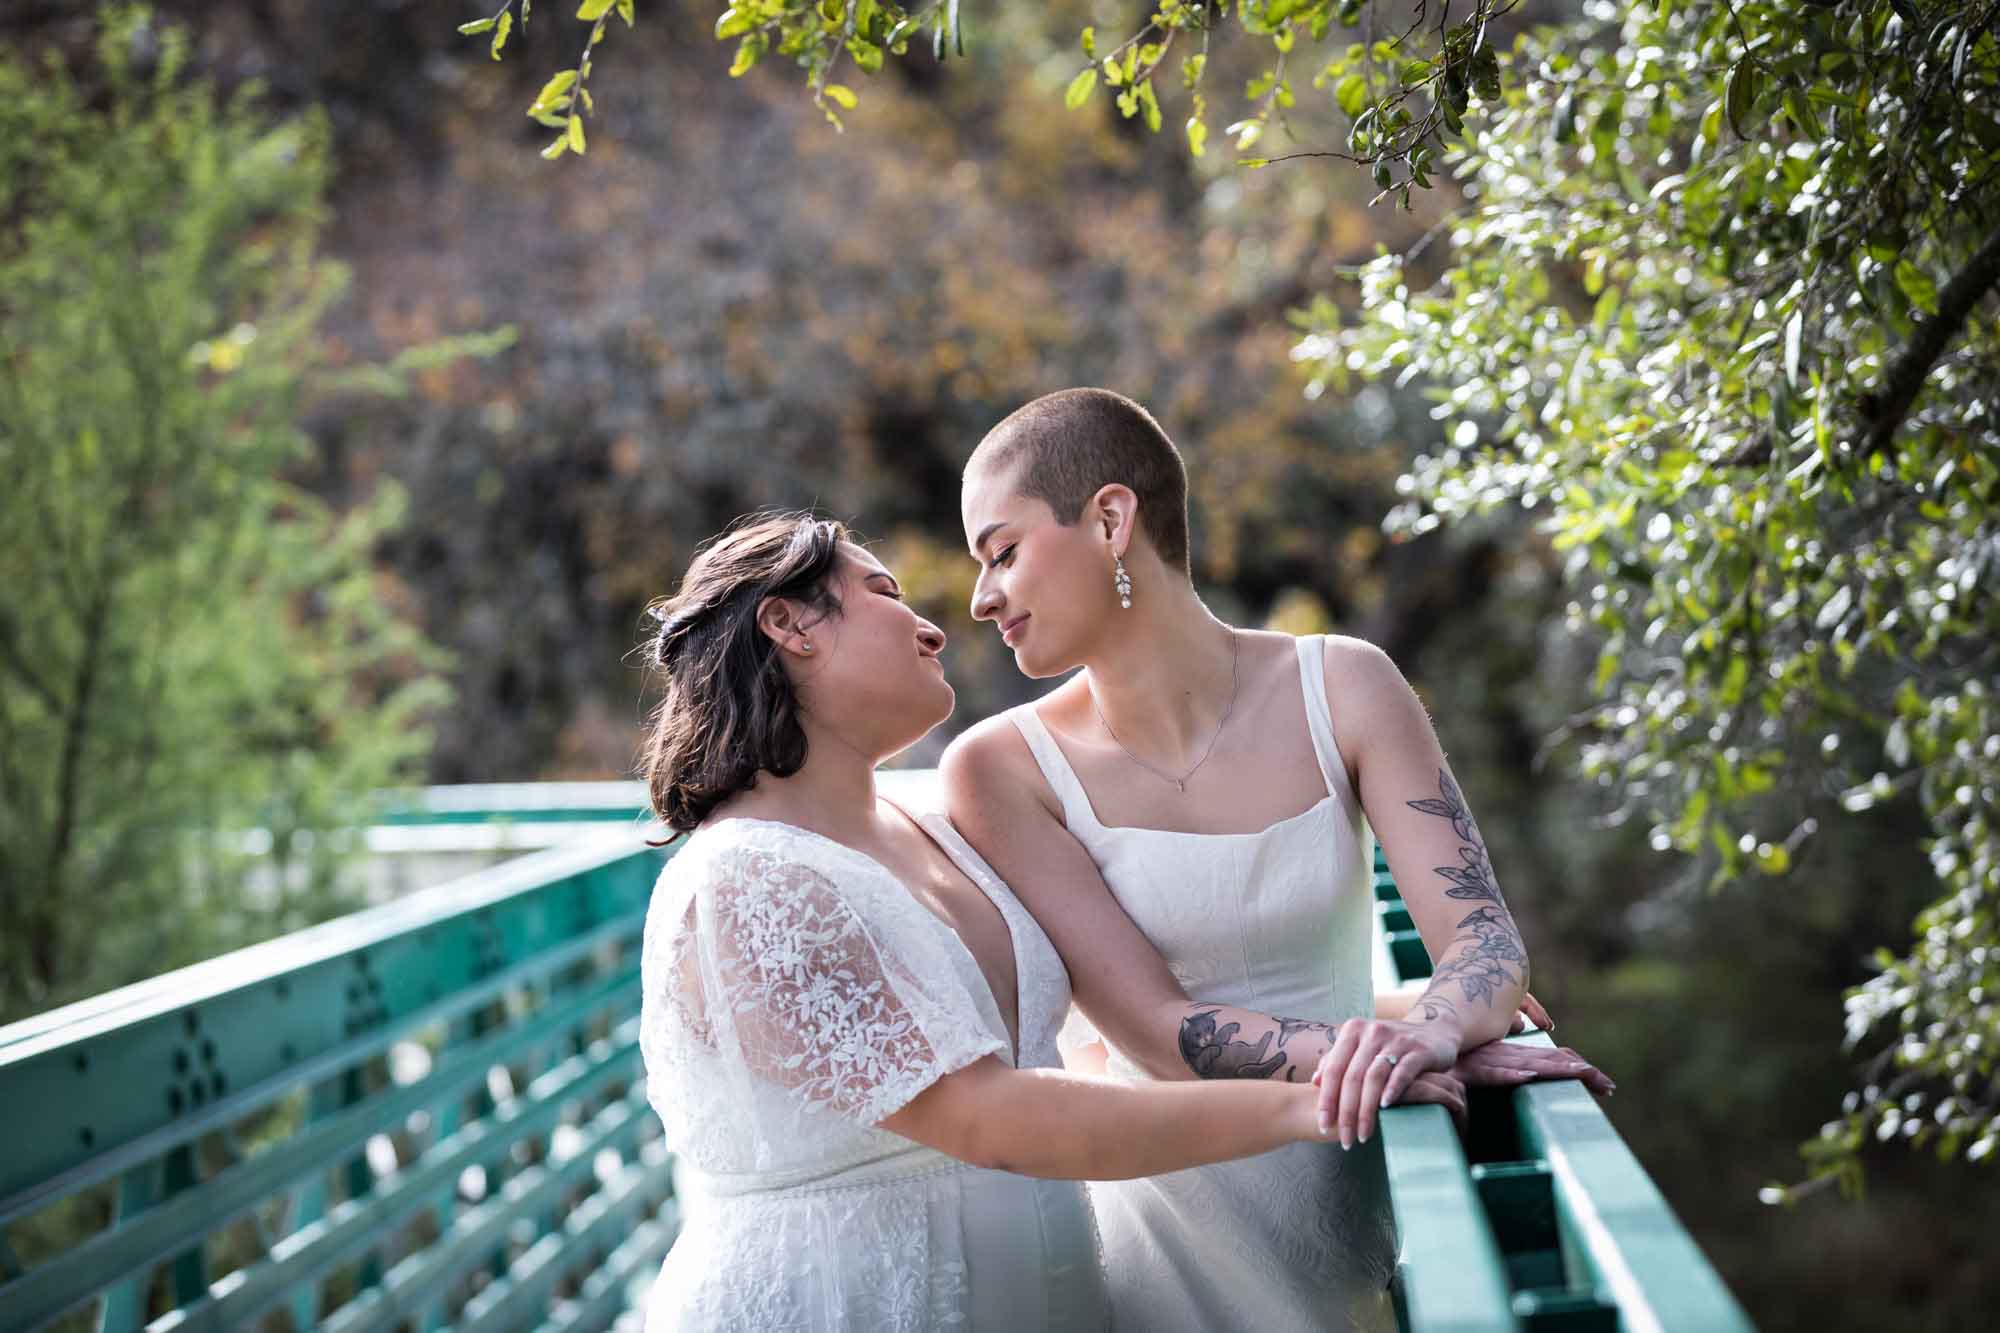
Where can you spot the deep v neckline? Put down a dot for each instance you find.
(1014, 939)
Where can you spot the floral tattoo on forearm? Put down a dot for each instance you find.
(1487, 956)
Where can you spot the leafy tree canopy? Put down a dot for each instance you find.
(1713, 298)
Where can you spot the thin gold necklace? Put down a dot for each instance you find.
(1182, 781)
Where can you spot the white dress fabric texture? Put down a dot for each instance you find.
(1278, 921)
(796, 994)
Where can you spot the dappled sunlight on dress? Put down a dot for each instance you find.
(1277, 921)
(796, 994)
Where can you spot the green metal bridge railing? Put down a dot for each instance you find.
(1540, 1220)
(432, 1114)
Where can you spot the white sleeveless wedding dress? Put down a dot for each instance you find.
(795, 994)
(1278, 921)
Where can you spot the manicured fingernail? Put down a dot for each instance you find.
(1364, 1136)
(1385, 1101)
(1325, 1125)
(1346, 1138)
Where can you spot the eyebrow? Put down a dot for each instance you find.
(986, 532)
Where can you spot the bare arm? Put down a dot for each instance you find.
(1064, 1126)
(1479, 974)
(1480, 965)
(1000, 802)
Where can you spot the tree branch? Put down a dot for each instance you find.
(1886, 408)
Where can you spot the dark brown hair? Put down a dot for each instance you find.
(729, 712)
(1070, 444)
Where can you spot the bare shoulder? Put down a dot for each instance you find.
(1356, 668)
(990, 762)
(1367, 694)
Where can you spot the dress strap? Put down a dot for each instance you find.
(1055, 766)
(1319, 719)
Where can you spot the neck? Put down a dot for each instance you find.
(833, 793)
(1162, 675)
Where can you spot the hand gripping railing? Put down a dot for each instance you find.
(431, 1112)
(1540, 1219)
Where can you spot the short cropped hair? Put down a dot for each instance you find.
(1070, 444)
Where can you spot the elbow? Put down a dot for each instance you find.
(986, 1147)
(987, 1130)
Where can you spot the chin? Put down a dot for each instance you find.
(946, 699)
(1038, 665)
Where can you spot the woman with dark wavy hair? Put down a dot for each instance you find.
(849, 1021)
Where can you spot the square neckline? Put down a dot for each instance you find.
(1014, 941)
(1090, 806)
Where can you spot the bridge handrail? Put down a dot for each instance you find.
(266, 1091)
(296, 1123)
(1546, 1220)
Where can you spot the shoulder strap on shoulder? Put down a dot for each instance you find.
(1055, 767)
(1319, 717)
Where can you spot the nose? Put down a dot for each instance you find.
(986, 599)
(929, 638)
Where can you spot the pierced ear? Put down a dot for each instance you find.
(1116, 509)
(781, 623)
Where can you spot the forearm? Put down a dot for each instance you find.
(1223, 1041)
(1477, 986)
(1397, 1003)
(1054, 1124)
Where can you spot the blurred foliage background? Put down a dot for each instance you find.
(727, 304)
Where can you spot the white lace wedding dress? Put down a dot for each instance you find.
(796, 994)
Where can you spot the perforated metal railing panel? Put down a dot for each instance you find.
(429, 1114)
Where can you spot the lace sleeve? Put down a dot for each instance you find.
(845, 1002)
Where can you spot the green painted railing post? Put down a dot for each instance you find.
(124, 1307)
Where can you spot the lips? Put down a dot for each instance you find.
(1013, 629)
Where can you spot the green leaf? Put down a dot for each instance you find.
(576, 134)
(1197, 136)
(557, 147)
(500, 31)
(477, 26)
(842, 94)
(592, 10)
(1090, 43)
(1080, 88)
(625, 12)
(733, 23)
(1742, 94)
(1149, 101)
(555, 88)
(1917, 285)
(1351, 94)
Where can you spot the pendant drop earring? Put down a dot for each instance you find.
(1122, 581)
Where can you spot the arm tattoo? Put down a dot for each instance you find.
(1486, 967)
(1214, 1049)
